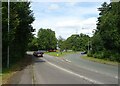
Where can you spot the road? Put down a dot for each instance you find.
(93, 66)
(54, 70)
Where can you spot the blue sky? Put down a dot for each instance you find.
(66, 18)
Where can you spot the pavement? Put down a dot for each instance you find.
(54, 70)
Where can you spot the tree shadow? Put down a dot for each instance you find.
(15, 71)
(38, 59)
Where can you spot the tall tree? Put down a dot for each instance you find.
(107, 36)
(20, 29)
(46, 39)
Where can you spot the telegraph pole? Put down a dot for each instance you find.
(8, 63)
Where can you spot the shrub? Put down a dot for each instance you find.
(90, 54)
(115, 57)
(98, 55)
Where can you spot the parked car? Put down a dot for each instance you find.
(52, 50)
(38, 53)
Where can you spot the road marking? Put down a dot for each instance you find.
(33, 76)
(116, 77)
(83, 77)
(66, 60)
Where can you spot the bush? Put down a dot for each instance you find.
(90, 54)
(98, 55)
(108, 55)
(115, 57)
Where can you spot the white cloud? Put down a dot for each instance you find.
(76, 23)
(53, 7)
(70, 0)
(82, 11)
(71, 26)
(71, 3)
(88, 23)
(73, 21)
(68, 26)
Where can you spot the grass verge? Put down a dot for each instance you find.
(7, 73)
(84, 57)
(59, 54)
(99, 60)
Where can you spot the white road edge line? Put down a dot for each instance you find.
(66, 60)
(85, 78)
(116, 77)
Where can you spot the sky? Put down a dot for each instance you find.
(66, 18)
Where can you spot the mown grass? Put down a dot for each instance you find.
(103, 61)
(8, 72)
(59, 54)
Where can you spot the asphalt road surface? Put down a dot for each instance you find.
(71, 70)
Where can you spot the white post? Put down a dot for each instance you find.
(8, 33)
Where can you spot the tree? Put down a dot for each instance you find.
(76, 42)
(46, 39)
(33, 44)
(61, 43)
(20, 29)
(106, 40)
(83, 40)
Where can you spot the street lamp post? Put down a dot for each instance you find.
(8, 63)
(91, 40)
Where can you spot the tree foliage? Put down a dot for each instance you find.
(20, 30)
(46, 39)
(75, 42)
(106, 40)
(33, 44)
(61, 43)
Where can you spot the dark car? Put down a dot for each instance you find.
(38, 53)
(85, 52)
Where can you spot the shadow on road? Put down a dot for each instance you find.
(25, 62)
(38, 59)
